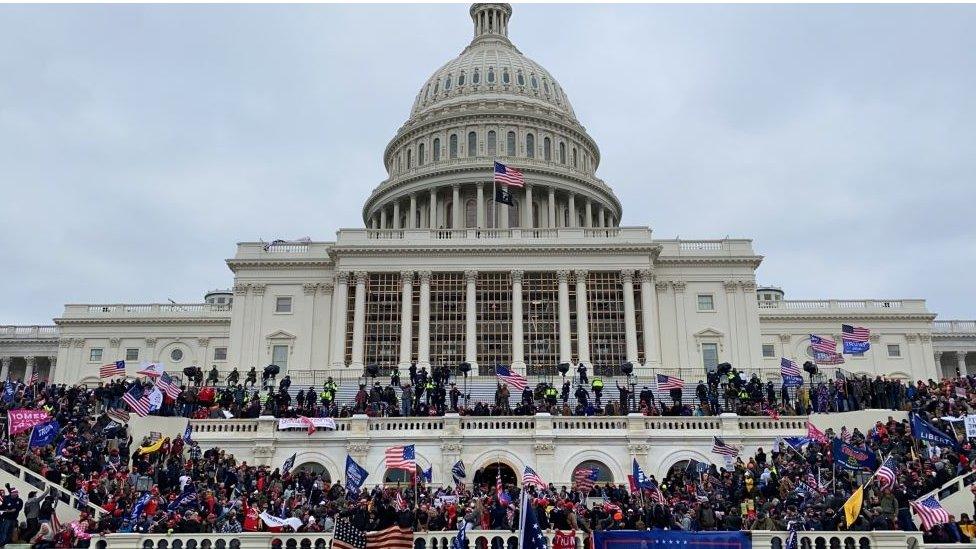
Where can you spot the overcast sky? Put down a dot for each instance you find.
(138, 144)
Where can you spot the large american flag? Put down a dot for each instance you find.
(507, 175)
(348, 536)
(118, 416)
(168, 385)
(930, 511)
(886, 473)
(666, 383)
(720, 447)
(136, 400)
(531, 478)
(854, 333)
(393, 537)
(789, 368)
(401, 457)
(585, 479)
(114, 369)
(823, 344)
(512, 378)
(399, 502)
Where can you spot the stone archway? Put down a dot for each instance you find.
(316, 469)
(490, 472)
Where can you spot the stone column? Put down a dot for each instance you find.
(471, 318)
(396, 215)
(423, 327)
(456, 207)
(383, 218)
(630, 318)
(572, 210)
(582, 317)
(406, 320)
(961, 357)
(601, 220)
(529, 223)
(432, 222)
(29, 368)
(4, 367)
(359, 322)
(552, 207)
(53, 361)
(518, 337)
(684, 358)
(412, 214)
(649, 317)
(338, 324)
(481, 205)
(588, 222)
(565, 347)
(503, 213)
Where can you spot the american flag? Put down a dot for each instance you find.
(886, 473)
(828, 358)
(34, 378)
(789, 368)
(136, 400)
(666, 383)
(811, 481)
(720, 447)
(348, 536)
(815, 434)
(393, 537)
(118, 416)
(514, 379)
(585, 479)
(845, 434)
(506, 175)
(823, 344)
(854, 333)
(657, 495)
(399, 502)
(500, 493)
(531, 478)
(109, 370)
(401, 457)
(168, 385)
(930, 511)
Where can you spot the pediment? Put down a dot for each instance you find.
(280, 334)
(709, 333)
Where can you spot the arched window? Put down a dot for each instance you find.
(574, 157)
(447, 83)
(476, 79)
(427, 92)
(491, 75)
(505, 77)
(603, 473)
(409, 159)
(535, 82)
(436, 151)
(461, 79)
(398, 163)
(547, 149)
(562, 152)
(453, 152)
(530, 145)
(510, 144)
(545, 86)
(491, 143)
(420, 154)
(472, 144)
(437, 86)
(520, 78)
(470, 213)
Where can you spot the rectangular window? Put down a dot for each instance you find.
(768, 350)
(279, 356)
(220, 353)
(132, 354)
(283, 305)
(894, 351)
(493, 299)
(95, 355)
(709, 356)
(706, 302)
(382, 320)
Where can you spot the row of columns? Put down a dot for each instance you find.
(358, 282)
(30, 363)
(382, 219)
(960, 361)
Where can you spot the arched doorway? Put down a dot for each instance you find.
(399, 476)
(316, 469)
(603, 473)
(489, 474)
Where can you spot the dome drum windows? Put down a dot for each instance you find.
(492, 150)
(420, 154)
(506, 79)
(535, 82)
(409, 159)
(436, 149)
(453, 147)
(520, 78)
(547, 149)
(510, 144)
(461, 79)
(472, 144)
(447, 83)
(476, 78)
(562, 152)
(530, 145)
(491, 75)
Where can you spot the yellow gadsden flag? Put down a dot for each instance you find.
(156, 446)
(853, 506)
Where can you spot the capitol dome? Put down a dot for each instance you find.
(491, 104)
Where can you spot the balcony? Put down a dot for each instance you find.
(961, 327)
(863, 306)
(29, 332)
(147, 310)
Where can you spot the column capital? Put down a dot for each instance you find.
(361, 277)
(241, 288)
(259, 288)
(925, 338)
(29, 360)
(581, 275)
(645, 275)
(310, 288)
(678, 285)
(326, 287)
(406, 277)
(662, 286)
(424, 276)
(471, 276)
(455, 186)
(150, 342)
(53, 360)
(114, 342)
(730, 286)
(563, 276)
(627, 276)
(911, 338)
(481, 184)
(517, 275)
(747, 286)
(785, 338)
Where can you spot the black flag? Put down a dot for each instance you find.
(503, 195)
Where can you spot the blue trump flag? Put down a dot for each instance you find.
(637, 539)
(428, 475)
(852, 457)
(44, 434)
(923, 430)
(639, 477)
(139, 506)
(188, 497)
(355, 475)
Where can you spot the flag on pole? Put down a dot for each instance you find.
(428, 475)
(188, 432)
(886, 473)
(531, 535)
(288, 464)
(462, 534)
(531, 478)
(500, 493)
(510, 377)
(167, 384)
(815, 434)
(348, 536)
(666, 383)
(721, 448)
(930, 511)
(34, 378)
(399, 502)
(504, 196)
(117, 368)
(852, 508)
(136, 400)
(639, 477)
(152, 369)
(856, 339)
(792, 375)
(585, 479)
(457, 471)
(401, 457)
(355, 475)
(825, 350)
(507, 175)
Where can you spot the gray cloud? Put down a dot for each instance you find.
(139, 143)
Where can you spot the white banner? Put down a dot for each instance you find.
(971, 425)
(275, 522)
(302, 423)
(444, 500)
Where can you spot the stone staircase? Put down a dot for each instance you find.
(27, 481)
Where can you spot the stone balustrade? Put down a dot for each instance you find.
(146, 310)
(562, 235)
(834, 305)
(28, 332)
(954, 327)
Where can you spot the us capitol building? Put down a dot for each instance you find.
(442, 274)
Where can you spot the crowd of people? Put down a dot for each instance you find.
(175, 485)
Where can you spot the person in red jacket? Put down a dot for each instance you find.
(252, 520)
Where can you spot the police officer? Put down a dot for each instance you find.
(582, 397)
(565, 393)
(213, 375)
(551, 395)
(330, 386)
(597, 386)
(325, 397)
(581, 372)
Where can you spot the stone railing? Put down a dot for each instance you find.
(147, 310)
(954, 327)
(28, 332)
(498, 539)
(400, 237)
(879, 305)
(42, 484)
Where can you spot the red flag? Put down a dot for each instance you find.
(308, 423)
